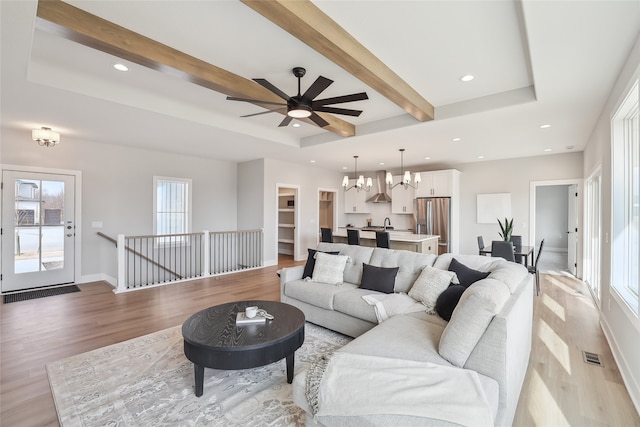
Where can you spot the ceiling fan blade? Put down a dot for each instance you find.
(233, 98)
(317, 87)
(264, 83)
(334, 110)
(264, 112)
(339, 99)
(318, 120)
(285, 121)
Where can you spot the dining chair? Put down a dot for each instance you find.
(503, 249)
(382, 239)
(517, 242)
(353, 236)
(534, 268)
(327, 235)
(480, 244)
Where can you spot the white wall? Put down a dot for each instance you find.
(552, 217)
(309, 179)
(117, 189)
(251, 195)
(621, 328)
(507, 176)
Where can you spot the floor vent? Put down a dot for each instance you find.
(591, 358)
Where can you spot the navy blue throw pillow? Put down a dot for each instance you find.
(379, 279)
(447, 301)
(466, 275)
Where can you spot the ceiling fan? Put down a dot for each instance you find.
(303, 106)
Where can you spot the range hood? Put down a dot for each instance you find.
(381, 196)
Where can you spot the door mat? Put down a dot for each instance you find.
(40, 293)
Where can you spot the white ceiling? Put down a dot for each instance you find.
(535, 63)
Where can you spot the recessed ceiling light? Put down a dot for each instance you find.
(570, 147)
(312, 161)
(481, 157)
(344, 168)
(547, 149)
(456, 139)
(467, 78)
(296, 125)
(427, 158)
(381, 163)
(545, 126)
(120, 67)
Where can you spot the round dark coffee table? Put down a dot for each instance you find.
(213, 340)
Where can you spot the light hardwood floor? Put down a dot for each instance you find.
(560, 389)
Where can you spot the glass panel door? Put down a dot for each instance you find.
(38, 237)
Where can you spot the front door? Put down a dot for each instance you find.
(38, 229)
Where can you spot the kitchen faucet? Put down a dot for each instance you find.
(385, 223)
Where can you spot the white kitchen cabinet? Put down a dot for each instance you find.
(402, 198)
(355, 201)
(438, 183)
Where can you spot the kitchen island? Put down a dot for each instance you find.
(423, 243)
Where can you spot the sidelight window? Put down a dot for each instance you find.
(625, 262)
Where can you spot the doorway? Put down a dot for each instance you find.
(327, 209)
(39, 229)
(287, 216)
(593, 232)
(555, 217)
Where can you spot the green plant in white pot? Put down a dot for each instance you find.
(506, 229)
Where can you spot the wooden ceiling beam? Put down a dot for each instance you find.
(308, 23)
(74, 24)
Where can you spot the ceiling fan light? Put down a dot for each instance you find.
(299, 112)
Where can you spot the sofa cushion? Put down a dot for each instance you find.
(329, 268)
(477, 262)
(318, 294)
(358, 255)
(475, 310)
(447, 301)
(379, 279)
(351, 302)
(466, 275)
(311, 262)
(410, 265)
(509, 273)
(429, 285)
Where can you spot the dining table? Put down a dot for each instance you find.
(518, 250)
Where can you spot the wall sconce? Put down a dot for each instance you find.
(360, 184)
(45, 137)
(406, 176)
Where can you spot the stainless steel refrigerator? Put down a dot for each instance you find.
(433, 216)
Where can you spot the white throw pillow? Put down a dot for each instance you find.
(329, 268)
(430, 284)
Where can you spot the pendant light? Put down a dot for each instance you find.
(406, 176)
(360, 184)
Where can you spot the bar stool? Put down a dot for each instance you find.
(382, 239)
(353, 236)
(327, 235)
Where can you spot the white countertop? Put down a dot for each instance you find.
(394, 237)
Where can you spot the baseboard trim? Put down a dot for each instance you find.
(633, 388)
(99, 277)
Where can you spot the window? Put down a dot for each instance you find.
(172, 205)
(625, 253)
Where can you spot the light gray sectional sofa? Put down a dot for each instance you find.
(489, 331)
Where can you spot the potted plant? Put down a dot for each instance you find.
(506, 229)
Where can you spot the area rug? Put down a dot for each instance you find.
(147, 381)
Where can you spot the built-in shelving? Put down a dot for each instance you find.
(286, 221)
